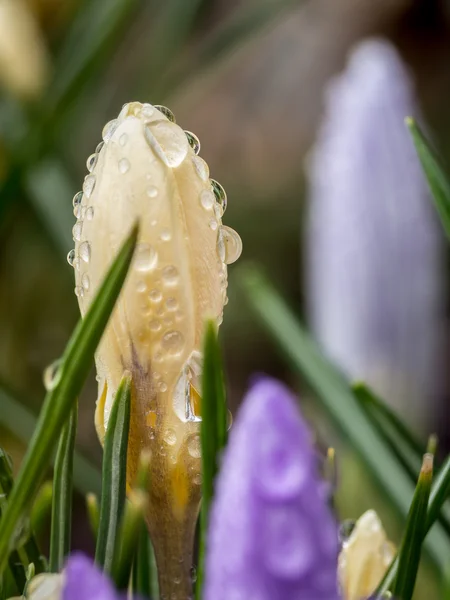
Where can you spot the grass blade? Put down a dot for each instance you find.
(114, 476)
(62, 495)
(93, 513)
(145, 576)
(213, 432)
(336, 397)
(20, 421)
(42, 509)
(437, 179)
(411, 547)
(73, 370)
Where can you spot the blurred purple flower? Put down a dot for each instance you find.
(84, 581)
(373, 245)
(271, 535)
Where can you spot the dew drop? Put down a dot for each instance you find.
(99, 147)
(145, 257)
(124, 165)
(52, 375)
(170, 437)
(147, 111)
(197, 479)
(152, 191)
(229, 245)
(91, 162)
(166, 112)
(109, 129)
(162, 386)
(172, 342)
(193, 141)
(193, 572)
(207, 199)
(79, 292)
(170, 275)
(213, 224)
(345, 530)
(141, 287)
(165, 235)
(85, 252)
(90, 213)
(76, 231)
(154, 325)
(220, 194)
(155, 295)
(167, 141)
(77, 199)
(71, 257)
(194, 447)
(85, 281)
(89, 185)
(201, 167)
(171, 303)
(123, 139)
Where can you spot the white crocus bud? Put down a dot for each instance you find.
(24, 62)
(46, 586)
(364, 558)
(147, 168)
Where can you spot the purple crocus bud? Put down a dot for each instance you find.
(374, 246)
(84, 581)
(271, 535)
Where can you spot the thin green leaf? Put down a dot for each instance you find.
(42, 508)
(415, 530)
(213, 432)
(114, 475)
(20, 421)
(145, 575)
(126, 547)
(73, 370)
(62, 495)
(435, 174)
(93, 512)
(336, 397)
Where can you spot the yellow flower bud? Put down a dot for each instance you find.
(24, 62)
(147, 168)
(364, 558)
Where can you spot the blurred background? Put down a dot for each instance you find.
(249, 78)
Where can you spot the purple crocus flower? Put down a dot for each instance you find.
(271, 535)
(84, 581)
(374, 266)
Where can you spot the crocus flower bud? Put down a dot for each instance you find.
(24, 63)
(271, 534)
(364, 558)
(147, 168)
(374, 246)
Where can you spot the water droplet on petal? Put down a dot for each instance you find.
(155, 295)
(85, 252)
(71, 257)
(345, 530)
(154, 325)
(152, 191)
(141, 287)
(194, 447)
(90, 213)
(145, 257)
(77, 199)
(88, 185)
(207, 199)
(52, 375)
(193, 574)
(171, 303)
(91, 162)
(193, 141)
(85, 281)
(220, 194)
(76, 231)
(79, 292)
(229, 245)
(165, 235)
(147, 110)
(99, 147)
(197, 479)
(168, 142)
(109, 129)
(213, 224)
(172, 342)
(123, 139)
(166, 112)
(124, 165)
(170, 275)
(201, 167)
(170, 437)
(162, 386)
